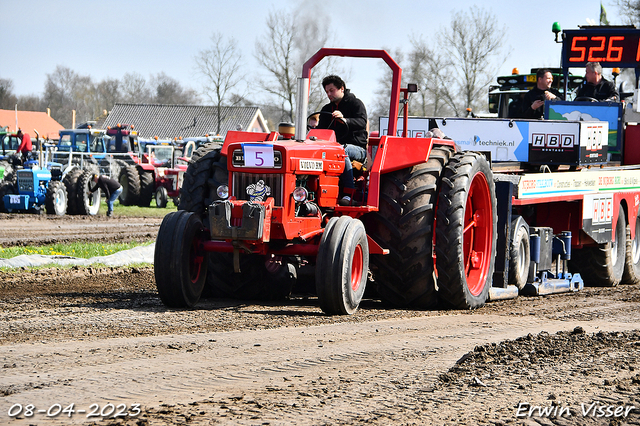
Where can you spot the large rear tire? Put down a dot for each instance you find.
(603, 265)
(6, 188)
(404, 225)
(130, 182)
(56, 199)
(342, 266)
(466, 231)
(70, 181)
(180, 268)
(88, 203)
(147, 183)
(207, 171)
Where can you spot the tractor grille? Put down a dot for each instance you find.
(25, 181)
(274, 181)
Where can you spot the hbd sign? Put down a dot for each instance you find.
(553, 141)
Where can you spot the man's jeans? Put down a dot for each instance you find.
(112, 199)
(354, 153)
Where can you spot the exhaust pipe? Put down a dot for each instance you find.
(302, 103)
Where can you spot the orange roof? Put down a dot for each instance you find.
(46, 126)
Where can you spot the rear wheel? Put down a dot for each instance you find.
(180, 267)
(56, 198)
(88, 203)
(603, 265)
(404, 225)
(466, 231)
(147, 182)
(207, 171)
(130, 182)
(70, 181)
(342, 266)
(632, 256)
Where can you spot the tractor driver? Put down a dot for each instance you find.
(597, 87)
(347, 117)
(26, 146)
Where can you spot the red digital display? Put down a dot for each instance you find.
(611, 48)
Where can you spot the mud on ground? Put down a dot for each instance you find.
(100, 335)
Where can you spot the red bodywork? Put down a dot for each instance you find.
(300, 234)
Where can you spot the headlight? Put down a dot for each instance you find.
(300, 194)
(223, 192)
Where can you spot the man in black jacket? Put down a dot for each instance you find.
(533, 101)
(597, 87)
(111, 188)
(347, 116)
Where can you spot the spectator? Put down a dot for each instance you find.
(111, 188)
(26, 146)
(533, 102)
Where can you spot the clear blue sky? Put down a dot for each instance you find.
(110, 38)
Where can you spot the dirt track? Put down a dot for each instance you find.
(99, 336)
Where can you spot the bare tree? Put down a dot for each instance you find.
(429, 69)
(134, 89)
(473, 42)
(169, 91)
(290, 40)
(629, 11)
(7, 99)
(66, 91)
(220, 66)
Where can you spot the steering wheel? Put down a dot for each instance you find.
(344, 128)
(586, 99)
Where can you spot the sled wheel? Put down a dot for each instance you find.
(87, 203)
(56, 198)
(180, 267)
(603, 265)
(466, 231)
(161, 197)
(342, 266)
(632, 256)
(519, 253)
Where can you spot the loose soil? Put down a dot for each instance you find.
(101, 336)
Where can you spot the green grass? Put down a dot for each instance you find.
(135, 211)
(81, 250)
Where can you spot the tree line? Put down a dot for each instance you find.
(452, 69)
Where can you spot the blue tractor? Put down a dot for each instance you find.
(35, 188)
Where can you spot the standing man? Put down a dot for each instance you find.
(111, 188)
(347, 117)
(533, 101)
(26, 146)
(597, 87)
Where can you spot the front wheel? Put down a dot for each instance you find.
(342, 266)
(162, 197)
(466, 231)
(180, 267)
(632, 255)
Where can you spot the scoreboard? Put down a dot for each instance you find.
(611, 46)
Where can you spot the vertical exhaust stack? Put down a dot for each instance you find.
(302, 103)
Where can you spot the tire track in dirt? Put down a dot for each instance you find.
(366, 363)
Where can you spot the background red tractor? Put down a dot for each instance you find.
(260, 211)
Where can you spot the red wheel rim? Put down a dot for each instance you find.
(478, 234)
(356, 268)
(195, 260)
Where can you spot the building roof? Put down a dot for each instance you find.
(171, 121)
(46, 126)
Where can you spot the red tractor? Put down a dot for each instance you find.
(258, 212)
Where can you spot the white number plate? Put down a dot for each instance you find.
(257, 155)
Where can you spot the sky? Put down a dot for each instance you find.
(110, 38)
